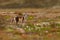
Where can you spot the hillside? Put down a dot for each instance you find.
(28, 3)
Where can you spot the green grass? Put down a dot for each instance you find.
(57, 24)
(30, 17)
(35, 28)
(6, 17)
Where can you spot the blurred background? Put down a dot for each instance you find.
(29, 3)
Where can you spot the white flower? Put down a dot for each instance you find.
(27, 26)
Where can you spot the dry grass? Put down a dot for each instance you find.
(52, 34)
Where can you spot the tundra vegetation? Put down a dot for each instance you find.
(43, 24)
